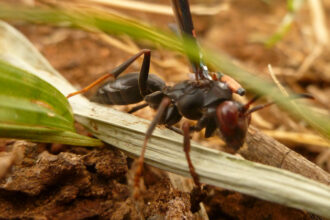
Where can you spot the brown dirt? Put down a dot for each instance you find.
(81, 184)
(63, 182)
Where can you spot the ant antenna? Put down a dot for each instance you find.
(259, 107)
(247, 105)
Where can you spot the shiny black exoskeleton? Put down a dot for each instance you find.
(194, 100)
(188, 98)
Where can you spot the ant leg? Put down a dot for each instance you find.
(137, 108)
(198, 127)
(160, 112)
(143, 76)
(118, 70)
(176, 130)
(186, 146)
(197, 195)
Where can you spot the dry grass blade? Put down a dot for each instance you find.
(301, 138)
(156, 8)
(319, 22)
(281, 88)
(321, 35)
(297, 137)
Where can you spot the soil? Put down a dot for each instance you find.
(51, 181)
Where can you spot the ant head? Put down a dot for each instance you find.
(233, 123)
(234, 119)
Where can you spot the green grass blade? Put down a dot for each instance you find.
(292, 6)
(16, 82)
(32, 109)
(46, 135)
(26, 99)
(27, 111)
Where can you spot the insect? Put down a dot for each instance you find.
(207, 99)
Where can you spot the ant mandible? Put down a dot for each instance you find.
(208, 98)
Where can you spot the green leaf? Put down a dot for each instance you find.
(26, 99)
(46, 135)
(32, 109)
(24, 110)
(292, 7)
(16, 82)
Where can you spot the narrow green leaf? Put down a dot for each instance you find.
(27, 99)
(281, 31)
(32, 109)
(292, 7)
(16, 82)
(46, 135)
(23, 110)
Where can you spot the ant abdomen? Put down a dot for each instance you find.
(125, 89)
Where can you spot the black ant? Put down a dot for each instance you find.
(208, 98)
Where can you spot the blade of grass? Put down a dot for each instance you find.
(16, 82)
(32, 109)
(33, 112)
(46, 135)
(26, 99)
(28, 110)
(292, 6)
(155, 8)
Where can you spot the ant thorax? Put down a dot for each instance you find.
(191, 97)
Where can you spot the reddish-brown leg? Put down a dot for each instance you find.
(197, 195)
(160, 111)
(121, 68)
(186, 147)
(176, 130)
